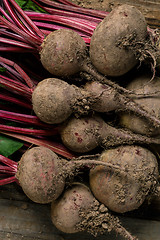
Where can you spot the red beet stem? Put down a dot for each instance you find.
(8, 180)
(14, 49)
(24, 118)
(67, 3)
(5, 32)
(49, 17)
(12, 99)
(7, 170)
(27, 19)
(13, 15)
(85, 26)
(52, 27)
(15, 43)
(33, 40)
(54, 146)
(12, 164)
(24, 76)
(91, 12)
(72, 14)
(28, 131)
(6, 15)
(11, 72)
(16, 86)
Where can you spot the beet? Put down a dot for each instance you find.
(115, 43)
(42, 174)
(68, 52)
(54, 101)
(142, 84)
(59, 55)
(39, 176)
(125, 190)
(77, 210)
(86, 133)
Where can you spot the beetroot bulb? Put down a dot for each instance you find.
(77, 210)
(63, 52)
(86, 133)
(126, 190)
(54, 100)
(120, 41)
(66, 48)
(151, 103)
(42, 173)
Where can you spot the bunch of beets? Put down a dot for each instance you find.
(77, 81)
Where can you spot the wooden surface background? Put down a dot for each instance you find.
(21, 219)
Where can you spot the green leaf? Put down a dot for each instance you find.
(29, 5)
(2, 69)
(8, 145)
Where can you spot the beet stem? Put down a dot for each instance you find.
(6, 15)
(20, 24)
(16, 86)
(28, 131)
(92, 12)
(15, 43)
(52, 27)
(24, 76)
(23, 118)
(15, 100)
(54, 146)
(69, 14)
(12, 164)
(15, 49)
(33, 40)
(12, 35)
(8, 180)
(28, 20)
(71, 22)
(7, 170)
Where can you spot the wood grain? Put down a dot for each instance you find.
(21, 219)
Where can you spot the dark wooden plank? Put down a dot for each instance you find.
(23, 219)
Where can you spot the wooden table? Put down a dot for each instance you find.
(21, 219)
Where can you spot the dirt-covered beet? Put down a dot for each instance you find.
(112, 47)
(106, 99)
(39, 174)
(59, 55)
(52, 100)
(82, 134)
(86, 133)
(125, 190)
(68, 54)
(42, 174)
(77, 210)
(142, 84)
